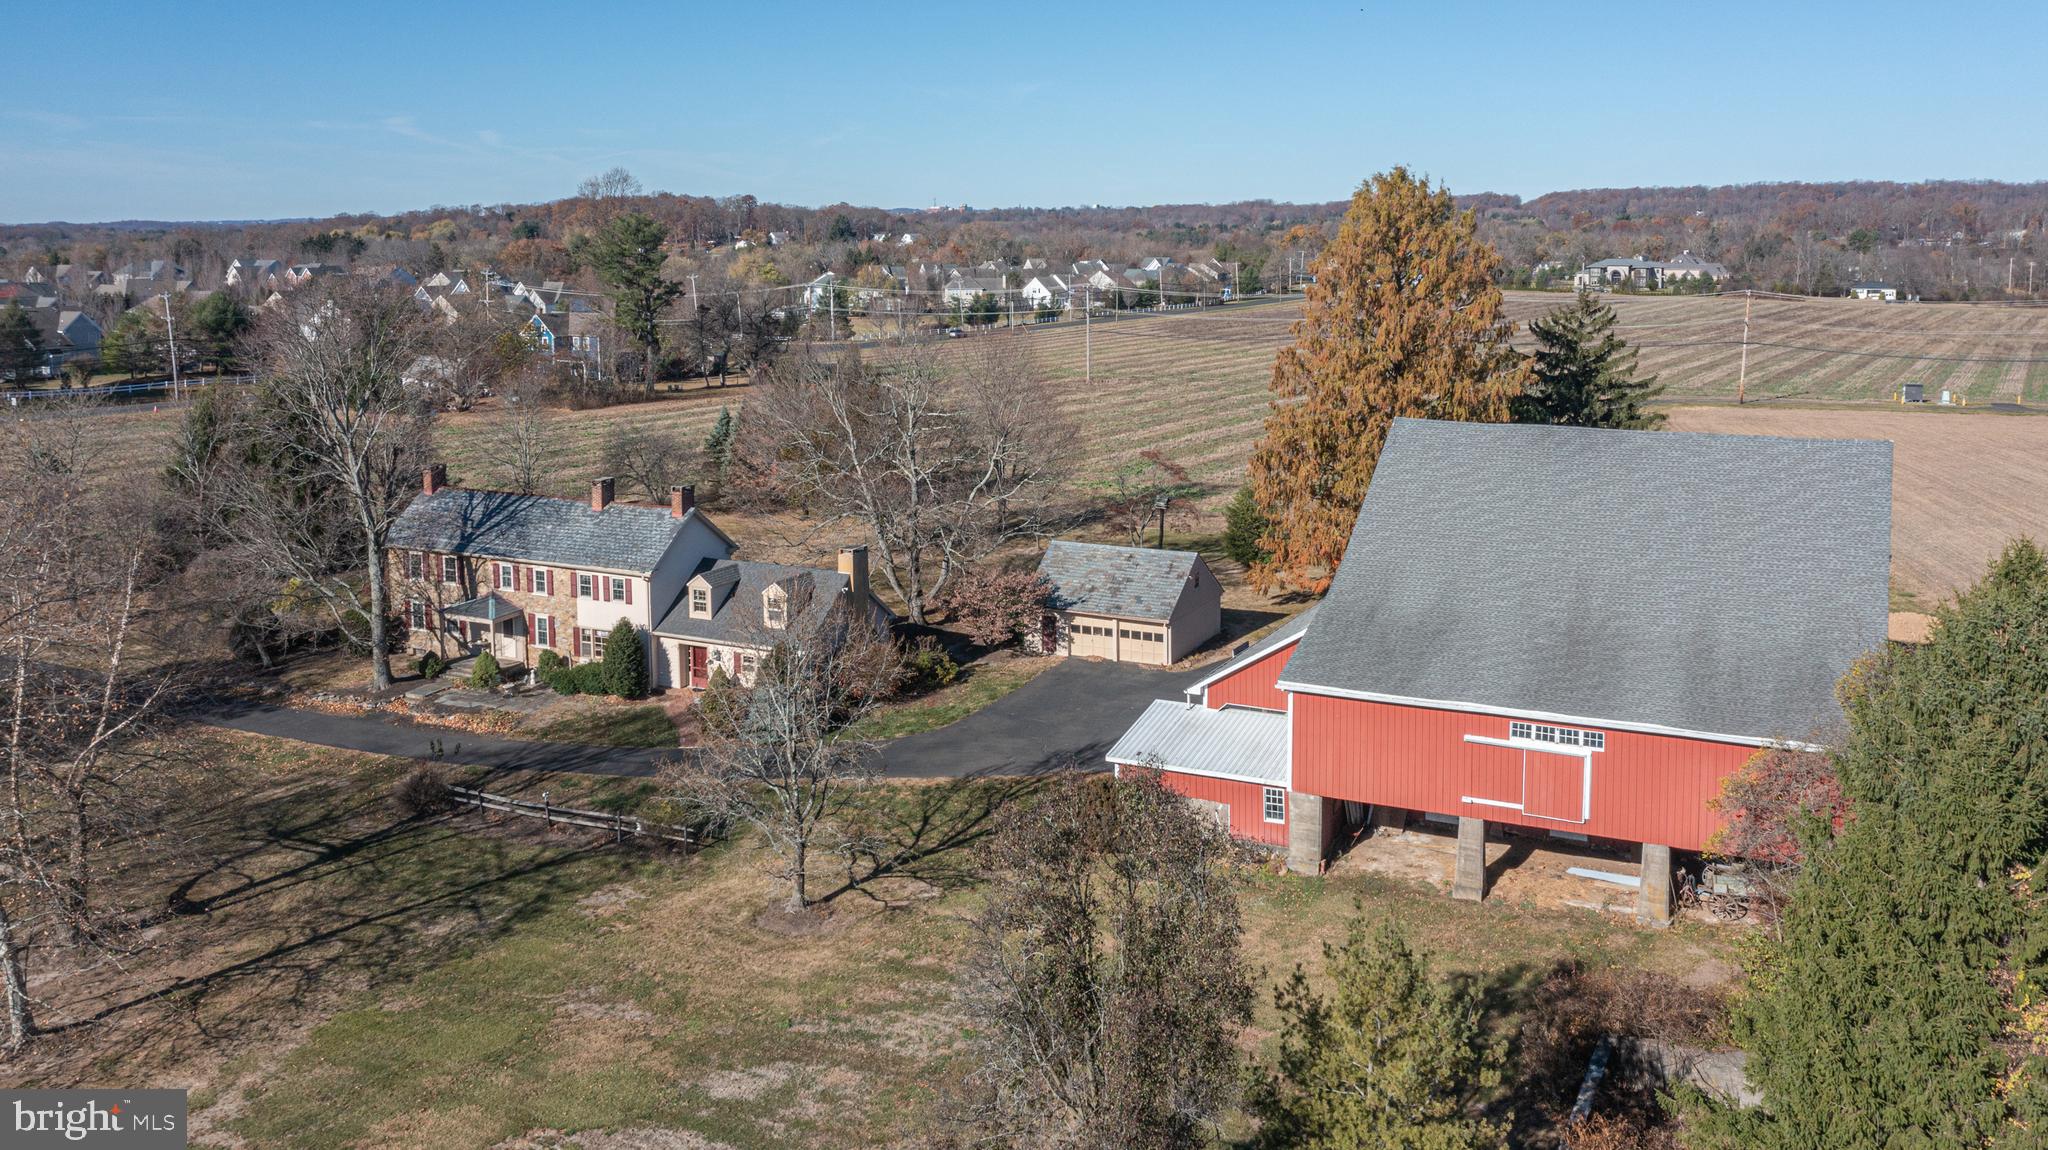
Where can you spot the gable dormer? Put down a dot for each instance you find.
(775, 607)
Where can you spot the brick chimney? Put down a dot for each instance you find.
(680, 500)
(434, 478)
(601, 493)
(853, 563)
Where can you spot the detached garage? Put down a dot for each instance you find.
(1128, 604)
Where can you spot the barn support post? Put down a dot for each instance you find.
(1653, 893)
(1306, 840)
(1469, 881)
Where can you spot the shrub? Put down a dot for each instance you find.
(625, 662)
(548, 666)
(430, 665)
(927, 666)
(422, 792)
(485, 674)
(997, 607)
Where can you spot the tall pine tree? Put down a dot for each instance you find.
(1901, 1005)
(1403, 318)
(1583, 375)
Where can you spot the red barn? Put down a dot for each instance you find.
(1565, 629)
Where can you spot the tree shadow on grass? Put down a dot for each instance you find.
(927, 834)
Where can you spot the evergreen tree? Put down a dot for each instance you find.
(1898, 1007)
(1583, 375)
(625, 662)
(1394, 1057)
(718, 446)
(627, 255)
(21, 345)
(1403, 318)
(215, 324)
(1243, 525)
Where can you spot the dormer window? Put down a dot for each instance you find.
(775, 611)
(700, 603)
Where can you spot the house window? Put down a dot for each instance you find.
(585, 585)
(508, 577)
(543, 631)
(700, 602)
(592, 642)
(1276, 805)
(620, 594)
(415, 565)
(747, 664)
(775, 612)
(1563, 736)
(416, 614)
(451, 569)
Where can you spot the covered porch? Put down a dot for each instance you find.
(488, 623)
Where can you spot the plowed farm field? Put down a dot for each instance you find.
(1193, 385)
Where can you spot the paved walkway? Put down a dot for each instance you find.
(1070, 714)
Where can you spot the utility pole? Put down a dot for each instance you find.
(693, 292)
(171, 332)
(1742, 380)
(832, 311)
(1088, 335)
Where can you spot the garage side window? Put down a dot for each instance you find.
(1276, 805)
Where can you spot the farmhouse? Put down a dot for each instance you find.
(1557, 629)
(1127, 604)
(1874, 289)
(732, 612)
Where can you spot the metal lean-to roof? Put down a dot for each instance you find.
(1231, 743)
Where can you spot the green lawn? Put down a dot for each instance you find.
(633, 725)
(980, 683)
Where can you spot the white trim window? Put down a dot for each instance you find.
(773, 612)
(586, 585)
(415, 565)
(700, 603)
(1275, 804)
(451, 569)
(508, 577)
(416, 614)
(543, 631)
(747, 665)
(1563, 736)
(619, 594)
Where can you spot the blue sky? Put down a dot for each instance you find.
(230, 110)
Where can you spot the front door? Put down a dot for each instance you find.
(700, 674)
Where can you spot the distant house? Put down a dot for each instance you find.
(1874, 289)
(1046, 290)
(254, 275)
(962, 287)
(1648, 274)
(63, 335)
(299, 274)
(1127, 604)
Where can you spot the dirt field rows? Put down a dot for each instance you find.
(1194, 386)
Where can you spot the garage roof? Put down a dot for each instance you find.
(1123, 582)
(1231, 743)
(1717, 584)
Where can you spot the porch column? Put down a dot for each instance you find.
(1469, 881)
(1305, 839)
(1653, 893)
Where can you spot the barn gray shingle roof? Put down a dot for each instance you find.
(1124, 582)
(564, 532)
(1710, 583)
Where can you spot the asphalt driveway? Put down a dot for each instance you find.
(1069, 715)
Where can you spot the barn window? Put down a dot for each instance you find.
(1276, 805)
(1563, 736)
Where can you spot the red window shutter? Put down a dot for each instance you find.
(629, 590)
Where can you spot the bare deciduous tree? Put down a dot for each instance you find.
(940, 466)
(652, 458)
(776, 753)
(1106, 984)
(524, 432)
(335, 448)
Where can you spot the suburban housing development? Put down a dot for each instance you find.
(1563, 631)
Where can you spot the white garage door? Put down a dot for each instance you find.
(1092, 637)
(1142, 642)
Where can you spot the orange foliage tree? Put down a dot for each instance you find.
(1403, 319)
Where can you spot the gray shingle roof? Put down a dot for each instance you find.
(564, 532)
(1232, 742)
(736, 617)
(1710, 583)
(1125, 582)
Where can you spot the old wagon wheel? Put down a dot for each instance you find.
(1731, 908)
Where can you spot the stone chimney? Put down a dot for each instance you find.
(680, 500)
(434, 478)
(853, 563)
(601, 493)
